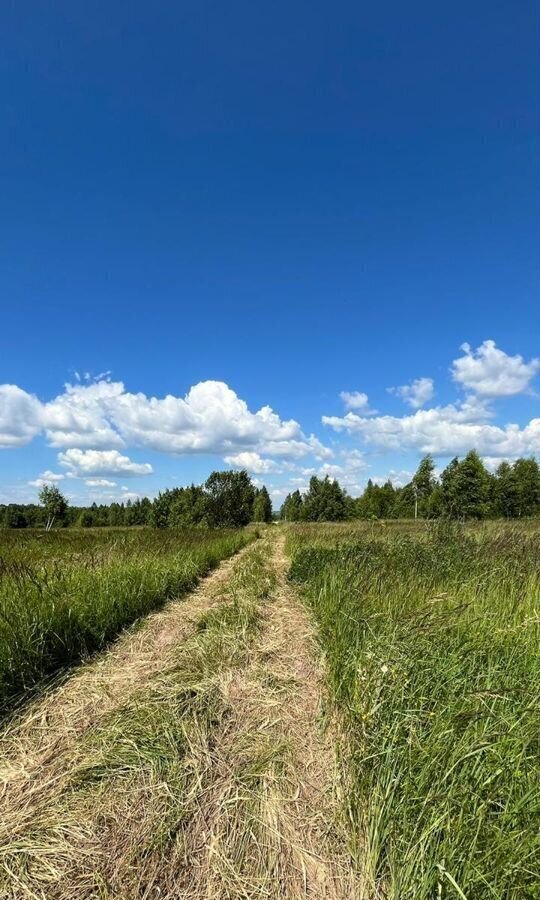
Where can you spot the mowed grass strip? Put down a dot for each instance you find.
(433, 664)
(65, 595)
(121, 824)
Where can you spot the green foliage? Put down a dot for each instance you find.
(293, 507)
(139, 512)
(432, 658)
(65, 594)
(86, 519)
(15, 516)
(189, 507)
(54, 504)
(377, 502)
(230, 499)
(517, 490)
(262, 506)
(466, 488)
(325, 501)
(227, 500)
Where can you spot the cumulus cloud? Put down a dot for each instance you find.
(253, 462)
(398, 477)
(20, 416)
(100, 482)
(357, 400)
(490, 372)
(82, 463)
(47, 477)
(485, 373)
(443, 430)
(81, 416)
(348, 472)
(211, 419)
(417, 393)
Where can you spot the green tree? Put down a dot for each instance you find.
(139, 512)
(517, 488)
(230, 499)
(189, 508)
(293, 507)
(367, 506)
(526, 478)
(54, 504)
(262, 506)
(14, 516)
(161, 508)
(116, 514)
(423, 483)
(466, 488)
(325, 501)
(86, 519)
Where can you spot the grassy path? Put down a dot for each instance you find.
(268, 817)
(47, 729)
(188, 762)
(38, 748)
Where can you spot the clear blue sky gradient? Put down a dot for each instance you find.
(294, 198)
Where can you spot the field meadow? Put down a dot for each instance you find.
(66, 593)
(430, 636)
(426, 636)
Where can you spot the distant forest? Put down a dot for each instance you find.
(227, 499)
(464, 490)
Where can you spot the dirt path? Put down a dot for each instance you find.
(270, 823)
(259, 816)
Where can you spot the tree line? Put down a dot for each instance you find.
(464, 490)
(226, 500)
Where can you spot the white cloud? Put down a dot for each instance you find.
(490, 372)
(253, 462)
(82, 416)
(447, 430)
(417, 393)
(82, 463)
(100, 482)
(20, 416)
(107, 495)
(354, 459)
(398, 477)
(349, 473)
(47, 477)
(357, 400)
(210, 419)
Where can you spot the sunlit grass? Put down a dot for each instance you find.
(432, 659)
(129, 812)
(64, 595)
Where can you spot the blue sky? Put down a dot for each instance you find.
(291, 200)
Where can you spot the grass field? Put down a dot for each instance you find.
(342, 712)
(431, 646)
(65, 594)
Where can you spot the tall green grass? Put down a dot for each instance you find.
(65, 595)
(432, 650)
